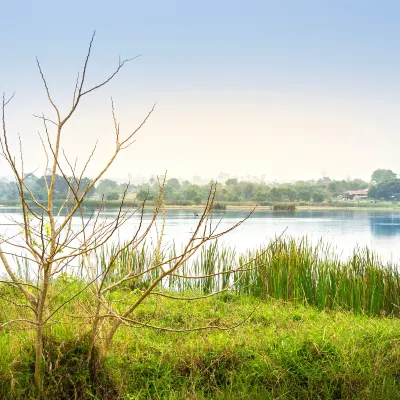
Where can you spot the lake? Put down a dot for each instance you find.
(343, 229)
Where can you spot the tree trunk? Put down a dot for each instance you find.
(39, 331)
(39, 357)
(95, 327)
(109, 337)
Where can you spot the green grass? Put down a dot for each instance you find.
(322, 328)
(288, 351)
(283, 351)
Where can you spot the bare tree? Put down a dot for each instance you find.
(51, 240)
(48, 238)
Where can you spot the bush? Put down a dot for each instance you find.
(287, 207)
(219, 206)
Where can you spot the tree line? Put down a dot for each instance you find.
(384, 185)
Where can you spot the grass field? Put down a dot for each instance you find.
(281, 352)
(301, 324)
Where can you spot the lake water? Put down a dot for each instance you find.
(343, 229)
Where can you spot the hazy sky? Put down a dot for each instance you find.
(285, 89)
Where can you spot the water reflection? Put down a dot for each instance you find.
(385, 226)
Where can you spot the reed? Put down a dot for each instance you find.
(289, 269)
(294, 270)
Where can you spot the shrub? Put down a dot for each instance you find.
(219, 206)
(288, 207)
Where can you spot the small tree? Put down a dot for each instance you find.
(49, 241)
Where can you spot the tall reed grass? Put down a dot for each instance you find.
(289, 269)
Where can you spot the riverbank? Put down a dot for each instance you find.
(281, 351)
(115, 204)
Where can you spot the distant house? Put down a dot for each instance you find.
(355, 194)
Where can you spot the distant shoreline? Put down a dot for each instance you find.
(235, 207)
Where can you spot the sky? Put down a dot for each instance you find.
(282, 89)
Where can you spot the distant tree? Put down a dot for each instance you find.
(318, 197)
(332, 187)
(248, 191)
(112, 196)
(276, 194)
(260, 196)
(144, 194)
(30, 181)
(3, 190)
(358, 184)
(304, 195)
(388, 190)
(221, 195)
(84, 184)
(231, 181)
(197, 200)
(382, 175)
(12, 192)
(324, 181)
(190, 192)
(60, 187)
(174, 184)
(288, 194)
(107, 186)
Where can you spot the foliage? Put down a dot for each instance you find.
(197, 200)
(108, 186)
(38, 186)
(245, 191)
(318, 197)
(382, 175)
(173, 183)
(112, 196)
(387, 190)
(232, 191)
